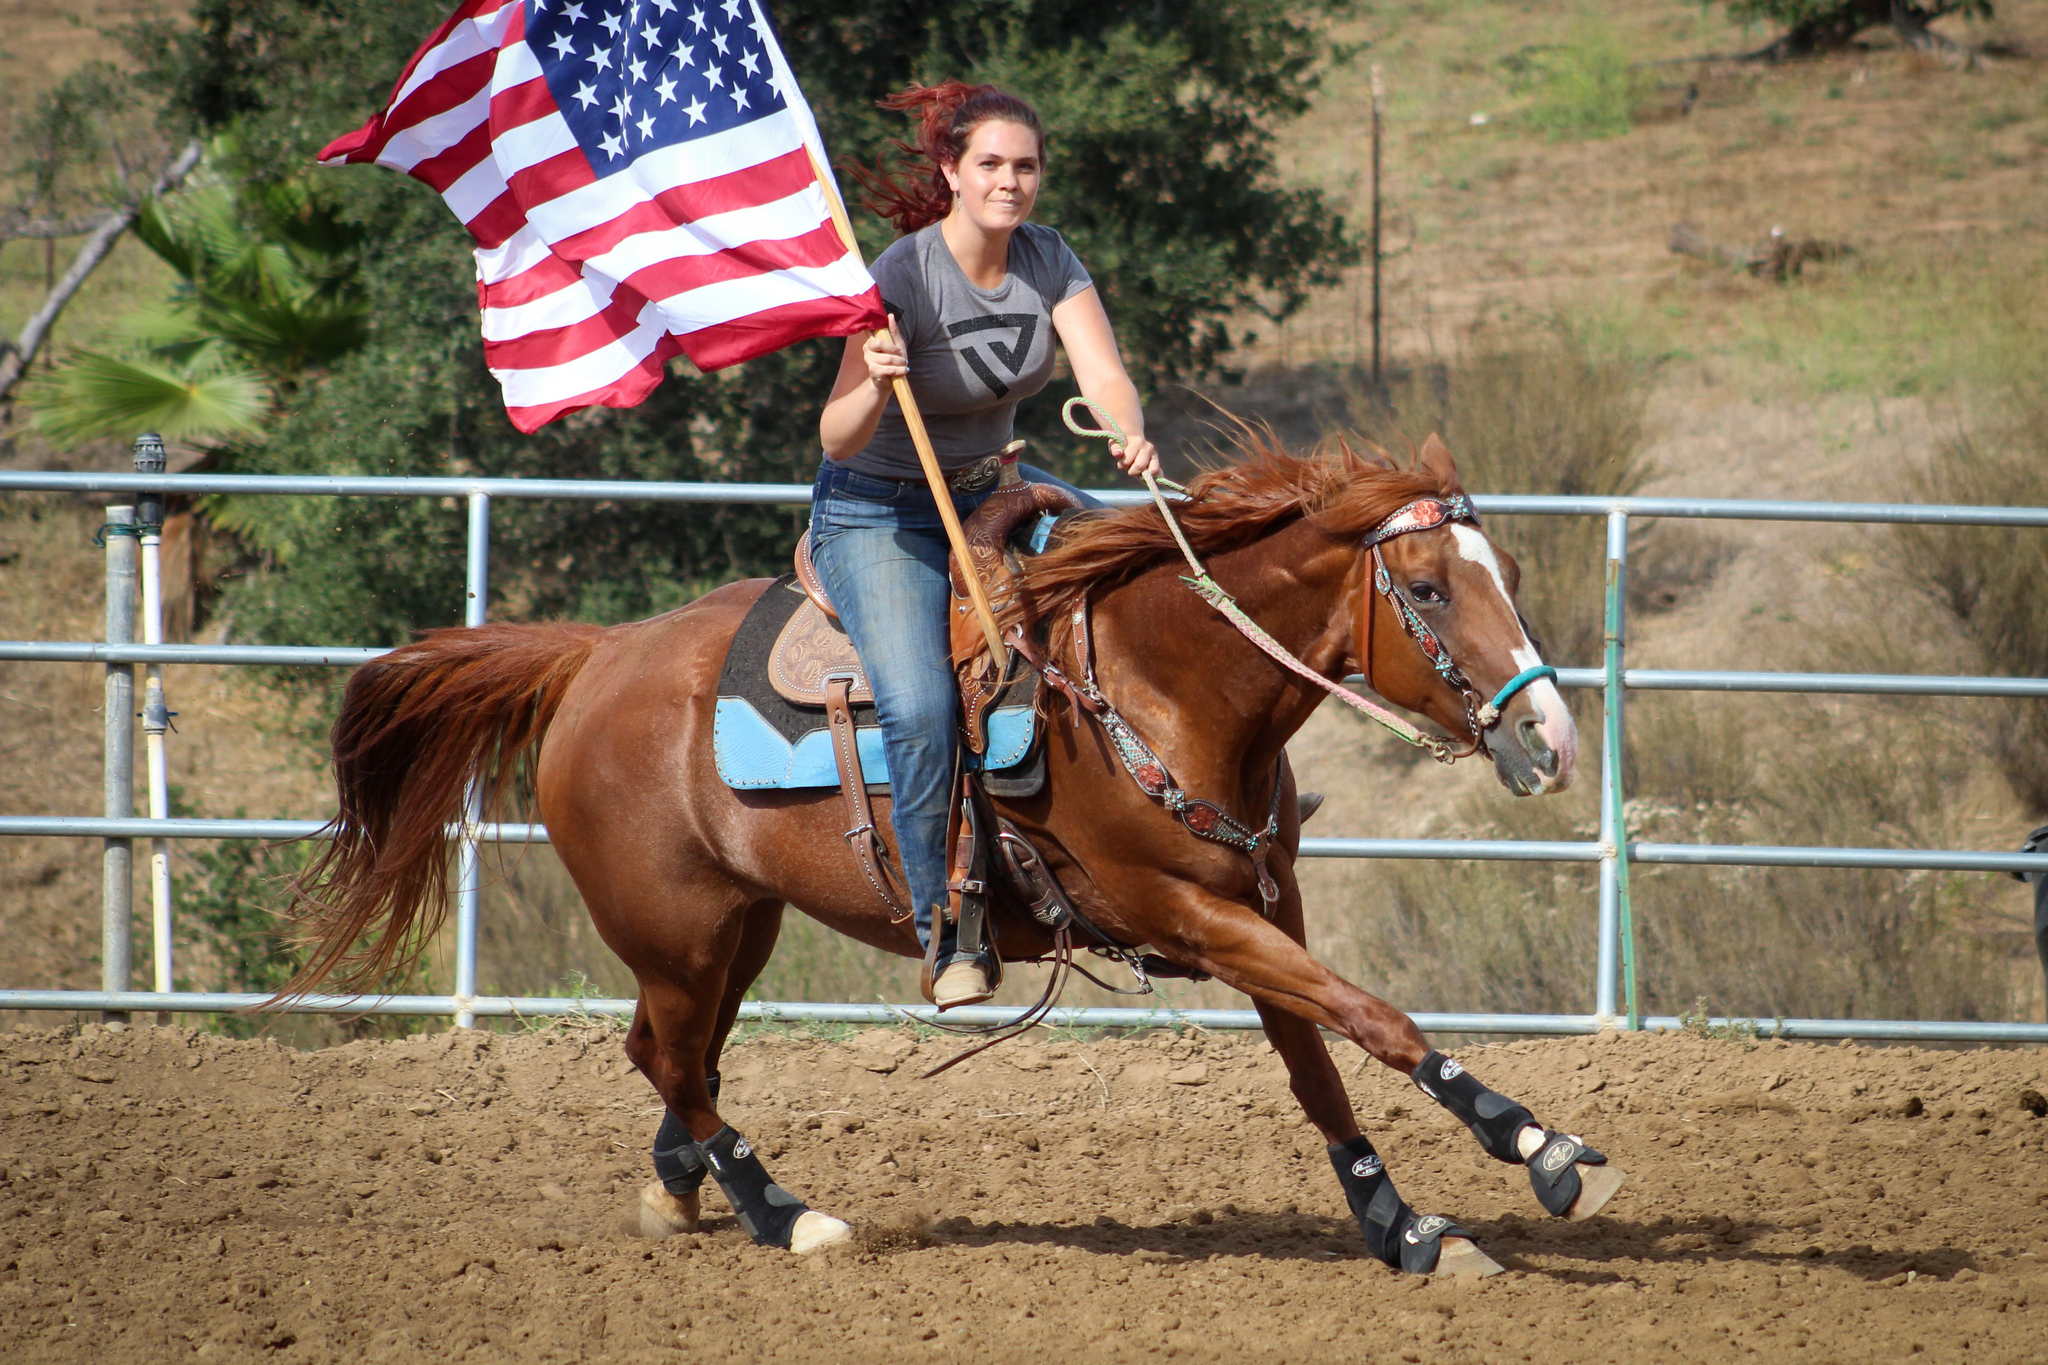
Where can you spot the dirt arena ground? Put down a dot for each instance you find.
(469, 1197)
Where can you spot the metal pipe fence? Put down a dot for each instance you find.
(1614, 994)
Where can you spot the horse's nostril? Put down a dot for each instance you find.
(1533, 745)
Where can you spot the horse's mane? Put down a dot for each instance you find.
(1344, 489)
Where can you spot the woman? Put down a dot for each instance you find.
(976, 294)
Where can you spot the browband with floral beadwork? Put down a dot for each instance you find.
(1424, 514)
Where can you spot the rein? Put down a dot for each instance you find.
(1422, 515)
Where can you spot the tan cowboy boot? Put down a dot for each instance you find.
(963, 983)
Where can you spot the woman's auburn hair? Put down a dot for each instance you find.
(914, 194)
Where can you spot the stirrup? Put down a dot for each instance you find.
(964, 982)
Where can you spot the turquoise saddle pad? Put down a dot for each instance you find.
(764, 742)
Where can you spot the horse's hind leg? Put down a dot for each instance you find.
(670, 1204)
(672, 1042)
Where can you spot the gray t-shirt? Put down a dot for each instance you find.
(973, 352)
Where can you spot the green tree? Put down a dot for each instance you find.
(1162, 175)
(266, 291)
(1813, 26)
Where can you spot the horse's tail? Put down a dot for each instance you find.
(415, 726)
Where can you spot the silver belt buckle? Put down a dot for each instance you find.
(977, 476)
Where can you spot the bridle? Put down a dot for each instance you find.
(1426, 514)
(1205, 819)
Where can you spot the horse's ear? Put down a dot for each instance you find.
(1434, 459)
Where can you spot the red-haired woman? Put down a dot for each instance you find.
(976, 294)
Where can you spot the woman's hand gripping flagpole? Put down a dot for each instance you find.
(942, 492)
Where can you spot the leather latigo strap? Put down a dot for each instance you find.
(860, 833)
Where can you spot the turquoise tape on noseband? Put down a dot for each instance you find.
(1522, 680)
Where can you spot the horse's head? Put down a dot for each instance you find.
(1449, 581)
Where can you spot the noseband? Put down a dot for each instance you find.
(1426, 514)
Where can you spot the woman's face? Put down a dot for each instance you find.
(996, 178)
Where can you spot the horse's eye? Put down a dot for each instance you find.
(1424, 592)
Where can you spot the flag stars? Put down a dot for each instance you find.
(714, 76)
(739, 98)
(666, 88)
(732, 9)
(665, 6)
(562, 44)
(612, 24)
(718, 41)
(646, 126)
(586, 94)
(622, 107)
(600, 58)
(697, 18)
(650, 36)
(752, 62)
(613, 145)
(695, 109)
(574, 14)
(638, 67)
(684, 54)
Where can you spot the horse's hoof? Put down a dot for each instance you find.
(1597, 1185)
(816, 1231)
(664, 1215)
(1465, 1260)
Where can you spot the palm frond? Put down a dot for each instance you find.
(94, 395)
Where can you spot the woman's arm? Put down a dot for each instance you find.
(1099, 370)
(867, 372)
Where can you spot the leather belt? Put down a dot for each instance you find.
(972, 478)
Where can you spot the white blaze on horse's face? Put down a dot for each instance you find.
(1549, 729)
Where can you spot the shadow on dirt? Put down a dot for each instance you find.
(1518, 1243)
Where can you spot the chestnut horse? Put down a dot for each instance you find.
(687, 879)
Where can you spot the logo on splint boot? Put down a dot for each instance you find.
(741, 1150)
(1450, 1070)
(1559, 1157)
(1367, 1166)
(1427, 1226)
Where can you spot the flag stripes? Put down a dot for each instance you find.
(617, 224)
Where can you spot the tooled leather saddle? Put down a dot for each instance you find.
(790, 660)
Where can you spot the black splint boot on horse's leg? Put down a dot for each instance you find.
(771, 1215)
(1417, 1244)
(1571, 1180)
(669, 1205)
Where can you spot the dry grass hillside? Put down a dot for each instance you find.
(1504, 233)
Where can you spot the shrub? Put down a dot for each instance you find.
(1990, 585)
(1756, 942)
(1585, 89)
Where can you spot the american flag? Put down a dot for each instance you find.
(641, 177)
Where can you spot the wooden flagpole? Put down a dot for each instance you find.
(942, 493)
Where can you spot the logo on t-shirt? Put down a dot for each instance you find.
(1012, 357)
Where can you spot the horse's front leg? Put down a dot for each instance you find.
(1296, 995)
(1418, 1243)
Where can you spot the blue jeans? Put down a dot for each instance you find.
(881, 551)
